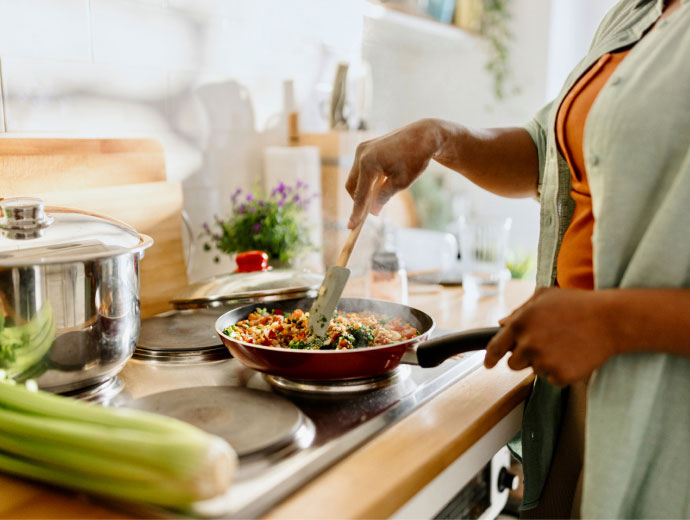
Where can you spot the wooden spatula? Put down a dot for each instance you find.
(336, 277)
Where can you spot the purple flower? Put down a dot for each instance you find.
(216, 236)
(300, 184)
(261, 203)
(256, 227)
(250, 197)
(295, 198)
(206, 228)
(235, 195)
(281, 187)
(281, 202)
(252, 209)
(241, 209)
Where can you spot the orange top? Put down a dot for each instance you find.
(574, 267)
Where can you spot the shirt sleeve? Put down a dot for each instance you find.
(537, 129)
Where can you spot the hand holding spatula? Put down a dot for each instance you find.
(336, 277)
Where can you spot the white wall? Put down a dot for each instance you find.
(204, 77)
(427, 75)
(573, 24)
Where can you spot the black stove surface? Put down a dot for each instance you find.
(334, 424)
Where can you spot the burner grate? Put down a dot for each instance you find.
(347, 386)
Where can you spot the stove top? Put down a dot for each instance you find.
(285, 432)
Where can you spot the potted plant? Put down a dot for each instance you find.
(274, 223)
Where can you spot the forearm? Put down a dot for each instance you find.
(647, 320)
(503, 161)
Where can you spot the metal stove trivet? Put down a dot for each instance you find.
(347, 386)
(251, 421)
(183, 336)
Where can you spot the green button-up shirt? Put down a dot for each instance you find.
(637, 152)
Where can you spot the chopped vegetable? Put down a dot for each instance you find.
(117, 452)
(362, 335)
(345, 331)
(22, 347)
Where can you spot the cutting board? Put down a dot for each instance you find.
(120, 178)
(30, 165)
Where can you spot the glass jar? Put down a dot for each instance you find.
(387, 279)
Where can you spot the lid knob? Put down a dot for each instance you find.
(249, 261)
(23, 217)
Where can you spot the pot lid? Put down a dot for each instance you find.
(250, 287)
(31, 233)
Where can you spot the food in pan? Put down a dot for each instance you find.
(347, 330)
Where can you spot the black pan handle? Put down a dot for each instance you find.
(435, 351)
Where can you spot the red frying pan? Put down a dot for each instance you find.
(325, 365)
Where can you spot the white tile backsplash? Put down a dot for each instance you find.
(135, 33)
(49, 96)
(205, 78)
(57, 29)
(204, 7)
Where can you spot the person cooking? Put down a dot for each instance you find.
(608, 329)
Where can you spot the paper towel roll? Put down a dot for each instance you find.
(289, 164)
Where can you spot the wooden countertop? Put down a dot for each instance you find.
(375, 480)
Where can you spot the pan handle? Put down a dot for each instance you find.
(435, 351)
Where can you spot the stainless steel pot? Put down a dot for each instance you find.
(69, 294)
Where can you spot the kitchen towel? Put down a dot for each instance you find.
(290, 164)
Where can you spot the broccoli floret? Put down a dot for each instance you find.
(362, 336)
(300, 345)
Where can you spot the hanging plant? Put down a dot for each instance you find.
(495, 28)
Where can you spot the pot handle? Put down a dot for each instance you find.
(435, 351)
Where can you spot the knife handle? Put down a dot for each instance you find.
(354, 234)
(435, 351)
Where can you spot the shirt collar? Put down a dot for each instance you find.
(660, 3)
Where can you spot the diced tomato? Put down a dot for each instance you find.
(272, 335)
(278, 312)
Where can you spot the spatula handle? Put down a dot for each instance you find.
(354, 234)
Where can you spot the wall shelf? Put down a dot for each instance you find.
(418, 22)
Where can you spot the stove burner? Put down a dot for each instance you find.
(180, 330)
(202, 355)
(101, 393)
(347, 386)
(252, 421)
(187, 336)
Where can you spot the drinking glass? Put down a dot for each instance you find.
(483, 246)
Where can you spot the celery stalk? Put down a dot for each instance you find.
(50, 405)
(114, 452)
(170, 452)
(77, 459)
(160, 493)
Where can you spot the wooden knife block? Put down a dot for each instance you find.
(338, 150)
